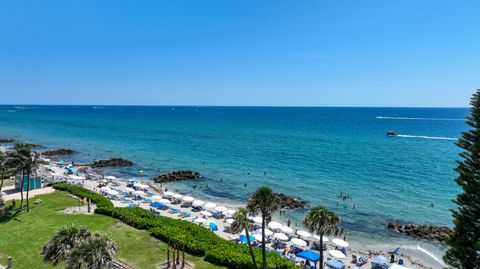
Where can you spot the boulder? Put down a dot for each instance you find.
(289, 202)
(58, 152)
(421, 231)
(7, 140)
(176, 176)
(113, 162)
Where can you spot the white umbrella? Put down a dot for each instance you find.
(325, 239)
(304, 234)
(129, 189)
(138, 193)
(188, 198)
(143, 187)
(137, 184)
(177, 196)
(168, 193)
(111, 177)
(340, 243)
(164, 201)
(105, 189)
(287, 230)
(280, 236)
(156, 197)
(274, 225)
(75, 177)
(299, 242)
(112, 192)
(257, 220)
(337, 254)
(199, 220)
(230, 221)
(257, 237)
(230, 212)
(198, 203)
(205, 213)
(268, 232)
(210, 205)
(220, 209)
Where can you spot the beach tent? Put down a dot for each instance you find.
(340, 243)
(280, 236)
(243, 238)
(335, 264)
(198, 203)
(286, 229)
(188, 198)
(274, 225)
(213, 226)
(337, 254)
(309, 255)
(205, 213)
(220, 209)
(199, 220)
(325, 239)
(230, 221)
(304, 234)
(210, 205)
(298, 242)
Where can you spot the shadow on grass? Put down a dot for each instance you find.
(12, 215)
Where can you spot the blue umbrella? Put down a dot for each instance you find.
(243, 238)
(335, 264)
(156, 204)
(379, 260)
(214, 227)
(395, 250)
(309, 255)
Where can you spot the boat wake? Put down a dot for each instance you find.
(427, 137)
(408, 118)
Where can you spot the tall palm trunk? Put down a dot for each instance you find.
(21, 189)
(250, 247)
(264, 253)
(28, 191)
(321, 251)
(2, 179)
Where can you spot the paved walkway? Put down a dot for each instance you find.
(16, 195)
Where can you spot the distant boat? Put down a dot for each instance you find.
(390, 133)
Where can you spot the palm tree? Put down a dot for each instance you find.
(263, 201)
(30, 166)
(2, 206)
(321, 221)
(241, 223)
(96, 252)
(3, 168)
(21, 155)
(63, 242)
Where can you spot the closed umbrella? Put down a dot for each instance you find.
(274, 225)
(198, 203)
(304, 234)
(220, 209)
(340, 243)
(188, 198)
(299, 242)
(337, 254)
(281, 236)
(210, 205)
(287, 230)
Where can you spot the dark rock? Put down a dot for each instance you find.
(421, 231)
(32, 146)
(113, 162)
(58, 152)
(289, 202)
(176, 176)
(7, 140)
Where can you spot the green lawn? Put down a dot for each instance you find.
(23, 236)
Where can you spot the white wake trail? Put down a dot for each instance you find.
(408, 118)
(428, 137)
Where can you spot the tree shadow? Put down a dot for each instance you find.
(11, 215)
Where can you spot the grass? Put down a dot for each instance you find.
(23, 235)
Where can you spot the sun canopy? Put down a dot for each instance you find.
(243, 238)
(156, 197)
(165, 201)
(299, 242)
(188, 198)
(199, 220)
(156, 204)
(286, 229)
(340, 243)
(129, 189)
(177, 196)
(281, 236)
(337, 254)
(309, 255)
(268, 232)
(257, 237)
(335, 264)
(112, 192)
(138, 193)
(304, 233)
(210, 205)
(220, 209)
(274, 225)
(206, 213)
(230, 221)
(379, 260)
(198, 203)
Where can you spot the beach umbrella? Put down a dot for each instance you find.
(129, 189)
(380, 260)
(298, 242)
(111, 177)
(395, 250)
(112, 192)
(156, 197)
(199, 220)
(177, 196)
(305, 234)
(230, 212)
(168, 193)
(165, 201)
(268, 232)
(257, 237)
(287, 230)
(137, 184)
(104, 180)
(281, 236)
(131, 180)
(75, 177)
(325, 239)
(274, 225)
(198, 203)
(143, 187)
(337, 254)
(309, 255)
(335, 264)
(213, 226)
(188, 198)
(243, 238)
(105, 189)
(138, 193)
(205, 213)
(220, 209)
(257, 220)
(210, 205)
(340, 243)
(230, 221)
(156, 204)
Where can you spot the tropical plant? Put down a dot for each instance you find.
(241, 222)
(21, 155)
(263, 201)
(2, 206)
(63, 242)
(30, 166)
(96, 252)
(321, 221)
(3, 168)
(464, 240)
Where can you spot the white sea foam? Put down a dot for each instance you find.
(428, 137)
(408, 118)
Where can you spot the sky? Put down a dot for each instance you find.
(226, 52)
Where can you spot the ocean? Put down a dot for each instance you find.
(313, 153)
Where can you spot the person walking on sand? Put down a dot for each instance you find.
(289, 222)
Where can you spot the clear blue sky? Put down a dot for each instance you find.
(202, 52)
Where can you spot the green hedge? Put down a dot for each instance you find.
(197, 240)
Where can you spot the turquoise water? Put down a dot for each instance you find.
(311, 153)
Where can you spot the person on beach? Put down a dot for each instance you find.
(13, 203)
(289, 222)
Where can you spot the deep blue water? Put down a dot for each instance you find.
(312, 153)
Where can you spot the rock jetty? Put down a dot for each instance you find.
(421, 231)
(58, 152)
(113, 162)
(176, 176)
(290, 202)
(7, 140)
